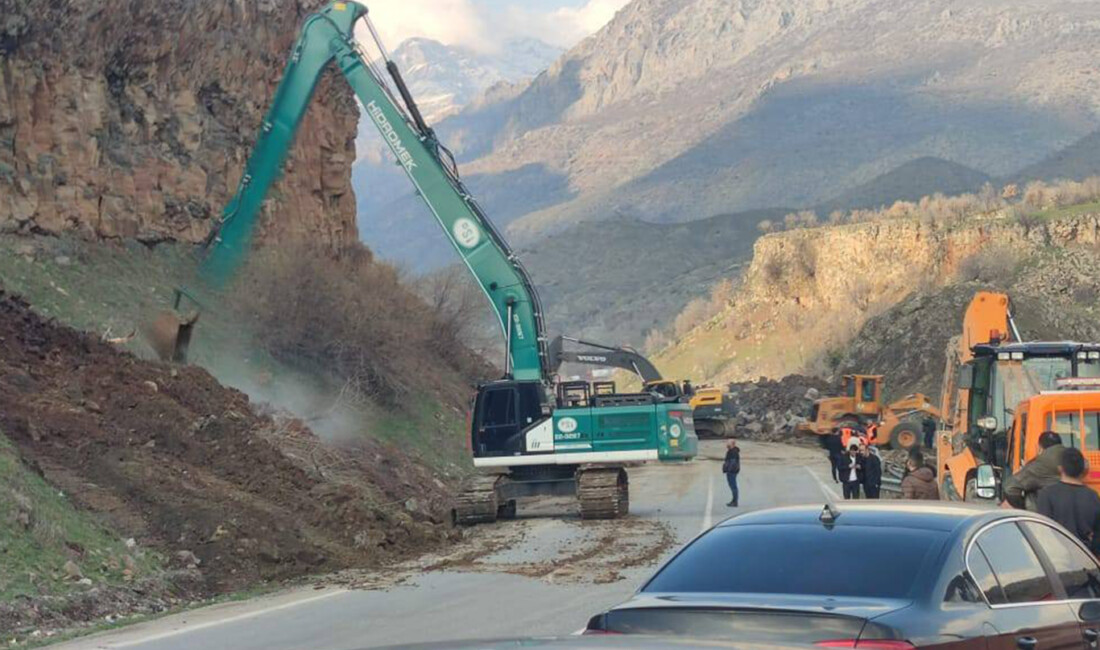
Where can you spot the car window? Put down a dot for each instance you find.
(1076, 569)
(983, 576)
(1015, 564)
(801, 559)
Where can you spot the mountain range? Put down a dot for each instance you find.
(682, 109)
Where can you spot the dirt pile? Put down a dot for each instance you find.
(770, 410)
(188, 467)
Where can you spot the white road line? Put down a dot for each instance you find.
(710, 505)
(829, 491)
(223, 621)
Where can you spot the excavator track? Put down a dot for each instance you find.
(604, 493)
(478, 502)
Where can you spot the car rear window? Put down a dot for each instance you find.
(857, 561)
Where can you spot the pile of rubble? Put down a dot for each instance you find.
(770, 410)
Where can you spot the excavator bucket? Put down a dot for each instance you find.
(170, 333)
(170, 336)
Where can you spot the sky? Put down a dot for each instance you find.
(485, 24)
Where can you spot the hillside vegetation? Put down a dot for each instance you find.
(810, 290)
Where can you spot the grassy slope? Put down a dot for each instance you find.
(51, 532)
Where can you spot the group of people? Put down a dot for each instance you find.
(1053, 484)
(857, 466)
(855, 463)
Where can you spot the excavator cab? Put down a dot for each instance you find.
(668, 389)
(864, 393)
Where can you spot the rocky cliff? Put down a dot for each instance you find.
(808, 293)
(126, 118)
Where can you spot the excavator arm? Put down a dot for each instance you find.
(328, 38)
(602, 355)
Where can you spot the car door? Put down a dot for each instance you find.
(1077, 571)
(1027, 610)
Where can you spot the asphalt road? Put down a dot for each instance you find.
(544, 574)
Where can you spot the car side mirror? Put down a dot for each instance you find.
(986, 482)
(1090, 611)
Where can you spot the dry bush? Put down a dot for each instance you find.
(1010, 192)
(1035, 196)
(352, 317)
(806, 254)
(992, 264)
(766, 226)
(773, 270)
(696, 312)
(837, 217)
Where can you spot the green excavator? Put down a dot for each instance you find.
(530, 434)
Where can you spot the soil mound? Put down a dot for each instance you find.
(187, 466)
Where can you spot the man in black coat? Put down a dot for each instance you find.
(731, 467)
(850, 467)
(835, 448)
(872, 472)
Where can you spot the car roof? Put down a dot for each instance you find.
(943, 516)
(598, 642)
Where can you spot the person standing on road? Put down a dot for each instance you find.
(851, 470)
(731, 467)
(1022, 487)
(872, 472)
(1072, 503)
(835, 448)
(929, 427)
(920, 481)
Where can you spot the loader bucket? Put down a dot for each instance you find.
(170, 335)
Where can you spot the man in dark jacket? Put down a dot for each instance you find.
(920, 481)
(731, 467)
(833, 446)
(850, 467)
(1072, 503)
(872, 472)
(1022, 487)
(929, 428)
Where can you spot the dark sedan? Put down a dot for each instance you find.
(875, 576)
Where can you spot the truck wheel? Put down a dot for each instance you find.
(905, 436)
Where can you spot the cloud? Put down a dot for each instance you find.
(565, 26)
(485, 26)
(454, 22)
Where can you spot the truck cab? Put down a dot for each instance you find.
(1015, 391)
(1073, 412)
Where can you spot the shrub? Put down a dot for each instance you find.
(993, 264)
(766, 226)
(352, 317)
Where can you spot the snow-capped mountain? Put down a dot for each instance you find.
(444, 78)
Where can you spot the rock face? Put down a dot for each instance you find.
(808, 293)
(126, 118)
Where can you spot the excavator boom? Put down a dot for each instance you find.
(328, 39)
